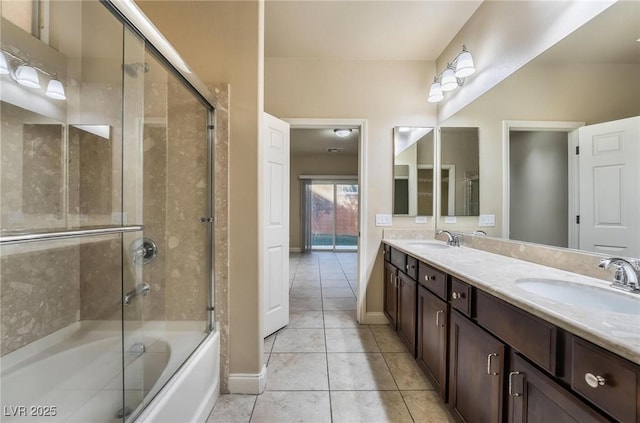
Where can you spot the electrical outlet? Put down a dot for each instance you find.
(384, 219)
(487, 220)
(450, 219)
(421, 219)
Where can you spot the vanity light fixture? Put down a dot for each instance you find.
(4, 67)
(26, 74)
(55, 90)
(342, 132)
(453, 76)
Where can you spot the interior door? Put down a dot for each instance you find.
(609, 186)
(274, 156)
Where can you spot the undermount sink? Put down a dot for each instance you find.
(580, 295)
(427, 244)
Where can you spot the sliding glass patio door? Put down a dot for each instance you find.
(331, 215)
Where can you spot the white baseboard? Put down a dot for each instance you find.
(247, 383)
(375, 318)
(295, 249)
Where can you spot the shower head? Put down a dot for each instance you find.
(132, 69)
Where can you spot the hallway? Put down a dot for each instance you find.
(324, 367)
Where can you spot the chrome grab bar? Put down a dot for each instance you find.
(15, 238)
(142, 290)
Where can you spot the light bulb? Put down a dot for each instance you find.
(449, 81)
(55, 90)
(27, 76)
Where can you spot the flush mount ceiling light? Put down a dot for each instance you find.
(453, 76)
(342, 132)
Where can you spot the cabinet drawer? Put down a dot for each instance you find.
(411, 269)
(432, 279)
(398, 259)
(531, 336)
(617, 393)
(461, 296)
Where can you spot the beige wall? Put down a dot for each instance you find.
(387, 94)
(317, 164)
(223, 41)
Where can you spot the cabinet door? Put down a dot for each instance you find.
(432, 338)
(391, 294)
(536, 398)
(476, 365)
(407, 292)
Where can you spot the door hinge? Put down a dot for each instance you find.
(578, 219)
(211, 308)
(211, 127)
(577, 149)
(206, 220)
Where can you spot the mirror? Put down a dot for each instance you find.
(589, 77)
(460, 167)
(413, 184)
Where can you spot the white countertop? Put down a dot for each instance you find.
(497, 275)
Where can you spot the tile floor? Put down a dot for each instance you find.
(324, 367)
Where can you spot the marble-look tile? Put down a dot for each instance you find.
(337, 292)
(306, 283)
(299, 340)
(406, 372)
(426, 406)
(359, 371)
(351, 340)
(387, 339)
(268, 342)
(339, 303)
(340, 319)
(340, 283)
(310, 319)
(297, 372)
(232, 409)
(333, 277)
(299, 407)
(300, 304)
(304, 292)
(369, 406)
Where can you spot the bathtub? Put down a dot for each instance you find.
(75, 375)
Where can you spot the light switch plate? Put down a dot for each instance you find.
(450, 219)
(421, 219)
(487, 220)
(384, 220)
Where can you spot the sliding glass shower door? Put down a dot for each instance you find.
(332, 212)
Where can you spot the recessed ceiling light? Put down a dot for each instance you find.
(334, 150)
(342, 132)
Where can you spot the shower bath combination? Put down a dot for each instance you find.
(105, 267)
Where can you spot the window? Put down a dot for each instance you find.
(28, 15)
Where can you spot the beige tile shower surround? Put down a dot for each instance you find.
(496, 274)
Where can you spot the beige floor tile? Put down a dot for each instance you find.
(426, 406)
(299, 340)
(340, 319)
(310, 319)
(290, 407)
(359, 371)
(297, 372)
(337, 292)
(387, 339)
(333, 276)
(369, 407)
(406, 372)
(306, 283)
(305, 292)
(301, 304)
(232, 409)
(303, 276)
(351, 340)
(340, 283)
(339, 303)
(268, 342)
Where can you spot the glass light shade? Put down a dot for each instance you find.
(27, 76)
(342, 132)
(55, 90)
(449, 81)
(435, 93)
(464, 67)
(4, 67)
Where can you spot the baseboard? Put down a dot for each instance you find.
(375, 318)
(295, 249)
(247, 383)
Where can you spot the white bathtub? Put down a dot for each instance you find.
(75, 375)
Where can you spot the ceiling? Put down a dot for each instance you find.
(363, 30)
(317, 141)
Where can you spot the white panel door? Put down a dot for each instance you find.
(609, 187)
(274, 183)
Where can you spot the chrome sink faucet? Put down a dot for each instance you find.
(626, 275)
(452, 239)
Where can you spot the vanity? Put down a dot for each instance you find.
(499, 346)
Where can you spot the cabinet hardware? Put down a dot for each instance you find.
(457, 295)
(410, 266)
(594, 381)
(397, 282)
(430, 278)
(438, 313)
(511, 375)
(489, 357)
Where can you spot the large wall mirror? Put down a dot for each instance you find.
(413, 181)
(460, 172)
(532, 181)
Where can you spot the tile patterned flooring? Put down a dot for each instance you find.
(325, 367)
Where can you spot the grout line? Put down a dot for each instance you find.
(253, 409)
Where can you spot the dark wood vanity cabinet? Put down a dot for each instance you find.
(407, 292)
(391, 294)
(431, 351)
(476, 372)
(536, 398)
